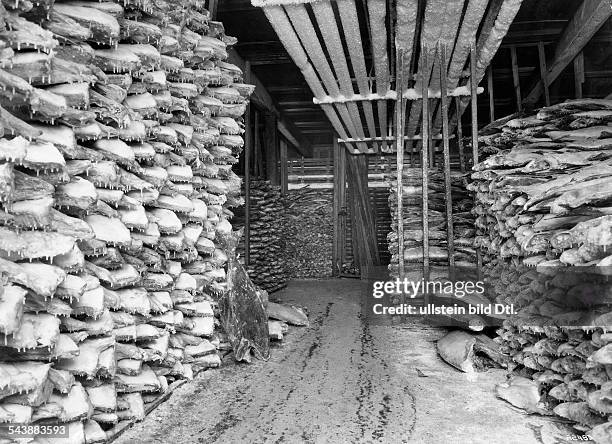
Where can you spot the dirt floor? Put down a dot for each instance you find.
(344, 379)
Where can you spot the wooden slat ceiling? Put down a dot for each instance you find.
(328, 41)
(335, 48)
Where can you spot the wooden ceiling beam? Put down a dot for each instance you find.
(589, 17)
(284, 29)
(489, 44)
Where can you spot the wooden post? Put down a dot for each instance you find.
(336, 268)
(284, 173)
(579, 74)
(256, 147)
(248, 142)
(474, 98)
(342, 205)
(213, 6)
(364, 230)
(425, 158)
(587, 20)
(399, 142)
(271, 149)
(491, 93)
(302, 170)
(516, 79)
(432, 148)
(411, 143)
(543, 72)
(460, 135)
(450, 237)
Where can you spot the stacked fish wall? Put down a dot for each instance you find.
(291, 235)
(120, 123)
(544, 220)
(266, 266)
(308, 228)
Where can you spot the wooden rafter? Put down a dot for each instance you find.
(487, 47)
(326, 39)
(590, 16)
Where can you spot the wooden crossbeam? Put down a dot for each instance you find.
(589, 17)
(390, 139)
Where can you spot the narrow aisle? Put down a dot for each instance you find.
(340, 380)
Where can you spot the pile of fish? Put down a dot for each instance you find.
(557, 344)
(308, 233)
(266, 266)
(121, 123)
(543, 193)
(463, 221)
(544, 200)
(291, 236)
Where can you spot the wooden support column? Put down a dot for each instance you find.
(284, 168)
(425, 159)
(338, 245)
(491, 93)
(365, 248)
(399, 142)
(257, 161)
(450, 236)
(474, 91)
(213, 6)
(342, 205)
(272, 149)
(543, 72)
(432, 147)
(460, 136)
(248, 142)
(579, 74)
(516, 79)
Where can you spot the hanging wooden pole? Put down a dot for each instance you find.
(491, 93)
(272, 148)
(425, 158)
(399, 134)
(460, 136)
(342, 205)
(284, 168)
(256, 147)
(213, 6)
(450, 236)
(248, 141)
(474, 98)
(543, 72)
(579, 74)
(336, 268)
(474, 89)
(516, 79)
